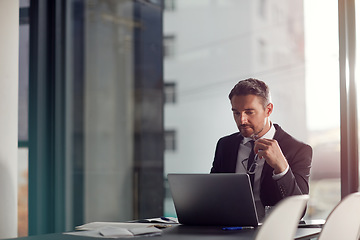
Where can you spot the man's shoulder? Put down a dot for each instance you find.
(236, 135)
(284, 137)
(231, 138)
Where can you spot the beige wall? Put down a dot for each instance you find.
(9, 32)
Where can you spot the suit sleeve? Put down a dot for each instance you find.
(216, 166)
(296, 180)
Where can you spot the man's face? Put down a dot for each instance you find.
(250, 116)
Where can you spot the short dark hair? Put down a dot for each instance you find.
(252, 86)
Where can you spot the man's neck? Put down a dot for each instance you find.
(267, 127)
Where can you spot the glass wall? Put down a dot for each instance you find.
(23, 118)
(96, 99)
(136, 89)
(114, 110)
(212, 44)
(99, 109)
(323, 106)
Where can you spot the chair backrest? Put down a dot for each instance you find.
(344, 220)
(283, 220)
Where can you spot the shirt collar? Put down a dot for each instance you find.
(271, 133)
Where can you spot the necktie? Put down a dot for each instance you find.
(250, 164)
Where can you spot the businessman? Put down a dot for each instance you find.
(278, 164)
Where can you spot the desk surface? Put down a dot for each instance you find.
(184, 232)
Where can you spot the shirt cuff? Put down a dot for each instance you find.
(280, 175)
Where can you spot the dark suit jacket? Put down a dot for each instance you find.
(295, 182)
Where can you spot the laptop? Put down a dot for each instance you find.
(219, 199)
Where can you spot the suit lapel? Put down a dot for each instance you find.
(234, 153)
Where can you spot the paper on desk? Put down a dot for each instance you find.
(147, 230)
(117, 232)
(97, 225)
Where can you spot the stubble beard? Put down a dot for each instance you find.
(254, 135)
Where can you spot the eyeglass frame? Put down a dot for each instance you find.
(254, 165)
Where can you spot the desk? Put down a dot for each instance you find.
(181, 233)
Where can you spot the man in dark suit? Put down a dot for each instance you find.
(278, 164)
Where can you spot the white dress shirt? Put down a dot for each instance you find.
(243, 153)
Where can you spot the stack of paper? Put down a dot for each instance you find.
(116, 230)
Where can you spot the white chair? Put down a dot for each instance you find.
(344, 220)
(283, 220)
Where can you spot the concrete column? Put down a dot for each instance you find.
(9, 45)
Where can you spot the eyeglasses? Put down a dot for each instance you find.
(252, 169)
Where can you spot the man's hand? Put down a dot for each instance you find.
(269, 149)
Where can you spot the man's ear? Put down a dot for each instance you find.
(269, 109)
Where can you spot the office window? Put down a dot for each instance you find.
(114, 98)
(96, 100)
(278, 15)
(169, 46)
(262, 8)
(289, 53)
(170, 5)
(170, 92)
(262, 51)
(170, 140)
(23, 123)
(23, 71)
(290, 25)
